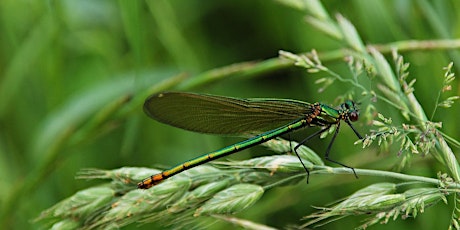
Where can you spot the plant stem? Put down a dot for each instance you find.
(378, 173)
(248, 69)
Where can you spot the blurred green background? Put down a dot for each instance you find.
(74, 74)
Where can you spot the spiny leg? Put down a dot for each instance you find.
(303, 142)
(300, 159)
(354, 130)
(329, 149)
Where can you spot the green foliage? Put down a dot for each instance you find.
(75, 75)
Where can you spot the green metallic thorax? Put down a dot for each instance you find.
(329, 114)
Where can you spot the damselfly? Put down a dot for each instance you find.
(263, 117)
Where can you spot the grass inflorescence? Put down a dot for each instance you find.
(214, 192)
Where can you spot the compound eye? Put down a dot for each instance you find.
(354, 116)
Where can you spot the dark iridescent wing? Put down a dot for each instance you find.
(223, 115)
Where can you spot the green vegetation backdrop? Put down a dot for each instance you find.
(74, 75)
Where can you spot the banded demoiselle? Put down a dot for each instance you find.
(263, 117)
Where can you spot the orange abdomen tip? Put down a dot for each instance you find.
(151, 181)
